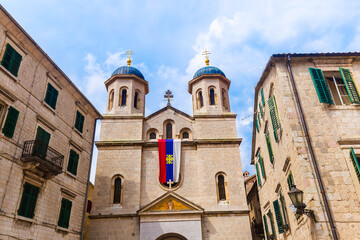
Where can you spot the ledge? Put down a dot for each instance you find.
(112, 216)
(8, 94)
(229, 115)
(2, 68)
(219, 141)
(105, 116)
(237, 212)
(45, 121)
(120, 143)
(25, 219)
(344, 107)
(48, 107)
(58, 228)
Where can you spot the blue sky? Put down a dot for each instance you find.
(88, 39)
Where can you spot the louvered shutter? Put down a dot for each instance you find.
(6, 61)
(262, 166)
(261, 111)
(283, 210)
(272, 224)
(290, 181)
(355, 162)
(28, 200)
(266, 228)
(257, 124)
(350, 85)
(73, 162)
(10, 122)
(274, 115)
(79, 123)
(278, 216)
(268, 143)
(320, 85)
(15, 63)
(262, 97)
(258, 174)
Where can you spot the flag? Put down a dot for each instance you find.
(169, 159)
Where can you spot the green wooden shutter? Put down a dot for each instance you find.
(290, 181)
(15, 64)
(65, 212)
(73, 162)
(283, 210)
(10, 122)
(262, 166)
(258, 116)
(28, 200)
(261, 111)
(355, 163)
(6, 61)
(258, 174)
(320, 85)
(268, 143)
(278, 217)
(41, 142)
(266, 228)
(274, 115)
(11, 60)
(257, 125)
(262, 97)
(272, 224)
(350, 85)
(51, 96)
(79, 123)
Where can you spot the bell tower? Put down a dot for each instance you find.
(209, 89)
(126, 89)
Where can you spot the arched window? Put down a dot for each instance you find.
(123, 97)
(152, 135)
(185, 135)
(221, 188)
(212, 96)
(136, 100)
(111, 100)
(169, 131)
(224, 99)
(200, 100)
(117, 191)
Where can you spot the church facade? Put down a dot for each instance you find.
(208, 201)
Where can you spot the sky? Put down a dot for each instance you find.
(88, 41)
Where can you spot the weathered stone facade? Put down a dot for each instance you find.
(128, 150)
(24, 89)
(333, 130)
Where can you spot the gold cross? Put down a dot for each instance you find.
(129, 53)
(170, 183)
(206, 53)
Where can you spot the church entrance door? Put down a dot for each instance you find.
(171, 236)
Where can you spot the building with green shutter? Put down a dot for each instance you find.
(306, 136)
(46, 136)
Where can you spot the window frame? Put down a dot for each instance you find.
(112, 193)
(60, 222)
(111, 97)
(226, 188)
(76, 124)
(12, 125)
(13, 55)
(73, 169)
(22, 201)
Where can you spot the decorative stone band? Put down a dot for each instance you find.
(102, 144)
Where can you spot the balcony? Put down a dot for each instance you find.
(42, 159)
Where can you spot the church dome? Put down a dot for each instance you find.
(128, 70)
(208, 70)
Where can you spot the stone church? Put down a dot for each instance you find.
(208, 201)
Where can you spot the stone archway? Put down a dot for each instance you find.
(171, 236)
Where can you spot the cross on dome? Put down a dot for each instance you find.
(129, 53)
(206, 53)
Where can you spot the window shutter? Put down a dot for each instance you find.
(350, 85)
(262, 166)
(42, 142)
(258, 175)
(266, 228)
(65, 212)
(261, 111)
(355, 163)
(268, 143)
(283, 210)
(51, 96)
(262, 97)
(278, 217)
(6, 61)
(10, 122)
(73, 162)
(16, 60)
(274, 115)
(79, 123)
(272, 224)
(28, 200)
(290, 181)
(320, 85)
(257, 125)
(258, 117)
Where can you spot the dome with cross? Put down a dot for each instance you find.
(127, 70)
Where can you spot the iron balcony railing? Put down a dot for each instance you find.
(43, 153)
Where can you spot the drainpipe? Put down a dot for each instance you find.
(311, 150)
(87, 184)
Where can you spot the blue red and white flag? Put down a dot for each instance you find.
(169, 160)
